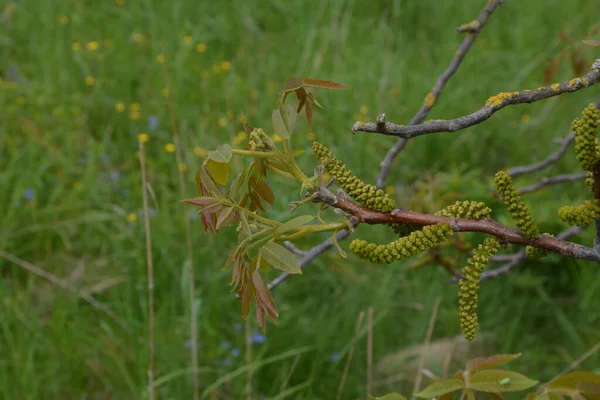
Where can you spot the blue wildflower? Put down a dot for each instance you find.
(226, 344)
(238, 325)
(152, 122)
(335, 357)
(29, 194)
(115, 175)
(258, 338)
(235, 352)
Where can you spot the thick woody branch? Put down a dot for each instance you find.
(440, 83)
(493, 104)
(484, 225)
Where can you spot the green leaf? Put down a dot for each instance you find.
(218, 171)
(280, 257)
(389, 396)
(221, 154)
(571, 379)
(293, 224)
(499, 380)
(288, 115)
(279, 126)
(441, 387)
(589, 389)
(477, 364)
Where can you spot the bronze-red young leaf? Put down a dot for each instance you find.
(318, 83)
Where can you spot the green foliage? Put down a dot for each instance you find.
(516, 207)
(468, 294)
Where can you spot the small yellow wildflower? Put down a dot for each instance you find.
(92, 46)
(311, 135)
(76, 46)
(21, 100)
(138, 37)
(160, 58)
(63, 20)
(390, 190)
(170, 148)
(135, 115)
(187, 40)
(120, 107)
(200, 152)
(143, 137)
(135, 107)
(225, 65)
(525, 118)
(276, 138)
(90, 80)
(200, 47)
(183, 167)
(165, 92)
(132, 217)
(222, 122)
(364, 110)
(240, 137)
(242, 118)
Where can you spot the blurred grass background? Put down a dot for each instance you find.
(81, 79)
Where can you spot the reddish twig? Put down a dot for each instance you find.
(484, 225)
(493, 104)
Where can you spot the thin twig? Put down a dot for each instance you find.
(493, 104)
(435, 92)
(188, 239)
(350, 355)
(551, 159)
(61, 283)
(291, 247)
(150, 272)
(369, 352)
(590, 352)
(552, 181)
(432, 319)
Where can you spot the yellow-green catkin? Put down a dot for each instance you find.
(367, 195)
(535, 252)
(518, 210)
(468, 292)
(586, 145)
(582, 214)
(466, 209)
(402, 248)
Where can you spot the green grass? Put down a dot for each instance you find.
(71, 186)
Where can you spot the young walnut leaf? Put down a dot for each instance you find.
(440, 388)
(280, 257)
(264, 300)
(218, 171)
(318, 83)
(221, 154)
(593, 43)
(499, 381)
(293, 224)
(570, 380)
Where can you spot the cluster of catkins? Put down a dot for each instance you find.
(414, 239)
(587, 151)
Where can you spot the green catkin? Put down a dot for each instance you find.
(518, 210)
(367, 195)
(586, 144)
(402, 248)
(582, 214)
(468, 293)
(466, 209)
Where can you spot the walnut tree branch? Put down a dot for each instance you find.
(492, 105)
(579, 176)
(484, 225)
(551, 159)
(437, 89)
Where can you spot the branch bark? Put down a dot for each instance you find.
(493, 104)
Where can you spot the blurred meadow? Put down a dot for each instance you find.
(82, 81)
